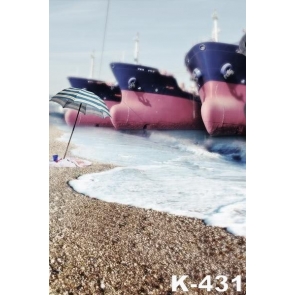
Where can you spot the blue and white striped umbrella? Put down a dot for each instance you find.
(83, 101)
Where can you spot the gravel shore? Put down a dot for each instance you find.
(96, 247)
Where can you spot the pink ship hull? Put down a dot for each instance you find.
(89, 119)
(223, 108)
(139, 110)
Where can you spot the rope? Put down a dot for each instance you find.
(103, 41)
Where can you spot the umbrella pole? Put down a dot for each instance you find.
(73, 130)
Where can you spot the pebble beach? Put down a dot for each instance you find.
(98, 247)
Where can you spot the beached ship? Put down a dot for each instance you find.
(151, 100)
(219, 71)
(110, 93)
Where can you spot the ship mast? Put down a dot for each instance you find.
(92, 66)
(136, 48)
(215, 30)
(103, 41)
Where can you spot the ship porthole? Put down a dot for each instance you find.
(202, 47)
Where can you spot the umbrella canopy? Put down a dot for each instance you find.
(88, 102)
(83, 101)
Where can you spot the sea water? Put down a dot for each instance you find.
(185, 172)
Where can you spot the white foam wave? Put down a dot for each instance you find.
(170, 189)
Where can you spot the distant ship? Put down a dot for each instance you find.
(219, 71)
(151, 100)
(111, 94)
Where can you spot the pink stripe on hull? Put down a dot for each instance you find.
(223, 108)
(89, 119)
(139, 110)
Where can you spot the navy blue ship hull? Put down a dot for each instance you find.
(98, 87)
(147, 80)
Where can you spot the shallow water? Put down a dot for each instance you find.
(181, 172)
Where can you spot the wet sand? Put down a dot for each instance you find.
(96, 247)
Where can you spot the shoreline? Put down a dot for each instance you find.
(133, 250)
